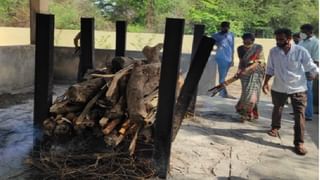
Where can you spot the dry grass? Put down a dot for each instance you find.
(87, 158)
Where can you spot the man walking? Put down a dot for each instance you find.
(288, 63)
(311, 43)
(224, 54)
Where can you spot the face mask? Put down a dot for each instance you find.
(223, 31)
(303, 36)
(248, 46)
(281, 45)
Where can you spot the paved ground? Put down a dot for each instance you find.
(213, 145)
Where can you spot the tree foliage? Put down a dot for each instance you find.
(68, 13)
(14, 12)
(259, 16)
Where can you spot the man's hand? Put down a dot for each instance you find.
(265, 88)
(76, 50)
(310, 76)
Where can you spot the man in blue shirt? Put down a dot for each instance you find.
(288, 63)
(311, 43)
(224, 54)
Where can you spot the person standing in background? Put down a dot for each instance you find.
(311, 43)
(76, 42)
(296, 38)
(224, 54)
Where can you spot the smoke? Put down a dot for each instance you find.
(16, 138)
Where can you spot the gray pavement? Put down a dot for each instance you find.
(215, 145)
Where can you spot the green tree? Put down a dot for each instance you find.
(14, 13)
(68, 13)
(259, 16)
(145, 15)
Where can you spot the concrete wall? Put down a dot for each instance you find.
(66, 62)
(17, 67)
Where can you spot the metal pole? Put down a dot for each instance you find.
(198, 32)
(167, 93)
(121, 29)
(86, 47)
(43, 81)
(190, 84)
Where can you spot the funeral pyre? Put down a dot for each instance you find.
(117, 104)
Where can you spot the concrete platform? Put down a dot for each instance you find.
(213, 145)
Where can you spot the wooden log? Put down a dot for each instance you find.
(151, 102)
(152, 53)
(49, 125)
(62, 120)
(64, 128)
(84, 91)
(110, 139)
(111, 126)
(88, 107)
(112, 94)
(124, 127)
(146, 133)
(65, 107)
(121, 62)
(133, 143)
(103, 75)
(149, 120)
(117, 112)
(152, 75)
(71, 116)
(135, 91)
(144, 80)
(103, 122)
(122, 132)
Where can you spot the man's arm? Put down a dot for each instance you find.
(76, 40)
(269, 73)
(310, 67)
(315, 56)
(266, 87)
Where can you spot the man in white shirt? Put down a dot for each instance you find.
(288, 63)
(311, 43)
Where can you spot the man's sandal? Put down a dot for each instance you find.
(273, 133)
(300, 150)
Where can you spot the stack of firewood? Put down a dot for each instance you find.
(117, 102)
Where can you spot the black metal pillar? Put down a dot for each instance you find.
(43, 81)
(198, 31)
(121, 30)
(167, 93)
(189, 87)
(86, 47)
